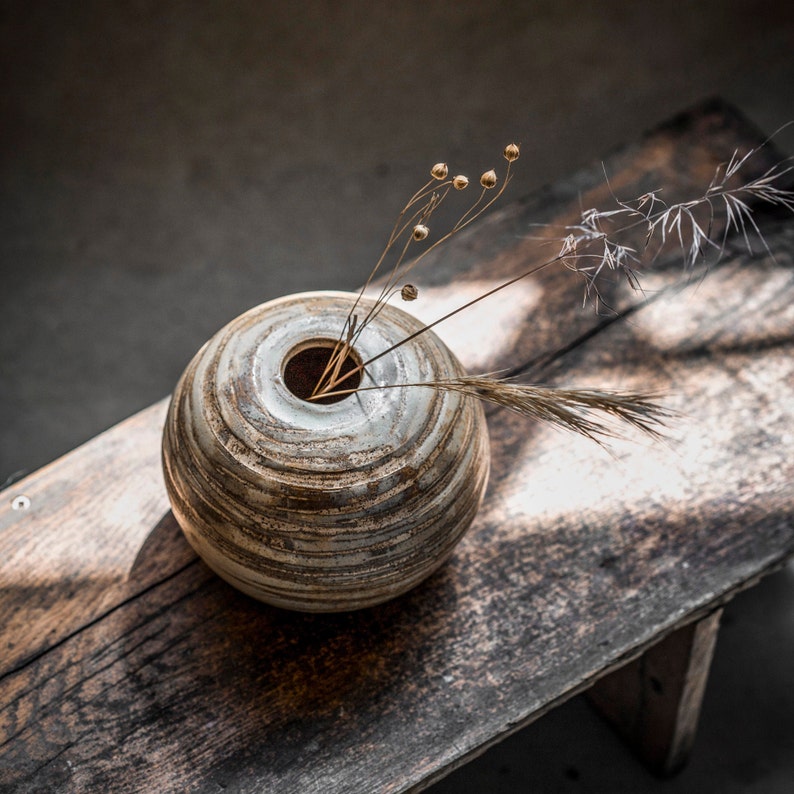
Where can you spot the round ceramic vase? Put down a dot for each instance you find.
(322, 507)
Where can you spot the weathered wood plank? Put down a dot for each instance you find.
(578, 560)
(66, 557)
(654, 702)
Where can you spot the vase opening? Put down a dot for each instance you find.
(306, 364)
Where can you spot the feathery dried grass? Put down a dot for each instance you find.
(589, 250)
(577, 410)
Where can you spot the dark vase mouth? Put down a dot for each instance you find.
(305, 364)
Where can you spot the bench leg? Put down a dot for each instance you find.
(654, 702)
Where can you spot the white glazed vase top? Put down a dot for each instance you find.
(314, 507)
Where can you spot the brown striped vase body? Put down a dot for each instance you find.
(314, 507)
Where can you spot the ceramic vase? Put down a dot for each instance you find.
(322, 507)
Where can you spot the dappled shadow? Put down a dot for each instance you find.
(164, 552)
(554, 581)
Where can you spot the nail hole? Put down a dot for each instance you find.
(20, 502)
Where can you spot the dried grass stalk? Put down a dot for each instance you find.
(566, 408)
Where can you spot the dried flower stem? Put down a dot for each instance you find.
(346, 338)
(417, 222)
(586, 249)
(429, 326)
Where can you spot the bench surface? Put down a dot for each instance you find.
(126, 665)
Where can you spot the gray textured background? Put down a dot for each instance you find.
(166, 165)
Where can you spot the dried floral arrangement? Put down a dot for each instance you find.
(590, 248)
(350, 502)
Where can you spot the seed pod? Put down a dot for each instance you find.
(409, 292)
(511, 152)
(460, 182)
(439, 171)
(488, 179)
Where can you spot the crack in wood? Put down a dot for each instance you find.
(97, 619)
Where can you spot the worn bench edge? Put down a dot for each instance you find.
(690, 615)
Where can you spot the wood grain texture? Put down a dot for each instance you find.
(128, 666)
(654, 702)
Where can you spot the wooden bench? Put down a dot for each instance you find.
(126, 665)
